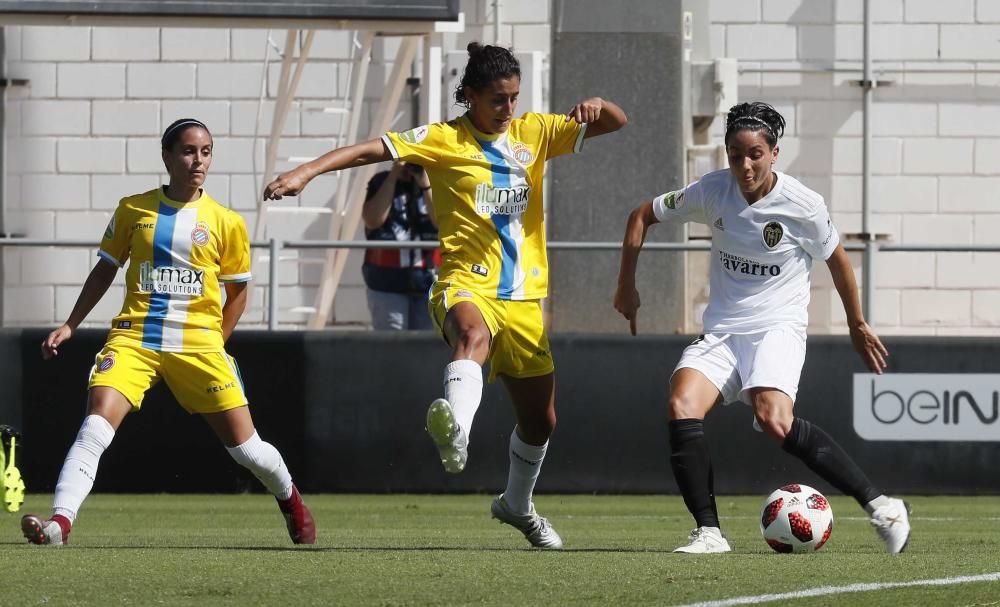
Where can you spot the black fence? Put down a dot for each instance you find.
(347, 412)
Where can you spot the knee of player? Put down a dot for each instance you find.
(775, 427)
(683, 406)
(472, 340)
(549, 424)
(776, 422)
(538, 431)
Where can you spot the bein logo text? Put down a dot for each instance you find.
(927, 407)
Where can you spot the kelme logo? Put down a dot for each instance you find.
(772, 234)
(109, 232)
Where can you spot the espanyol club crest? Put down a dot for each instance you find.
(522, 153)
(200, 234)
(106, 363)
(772, 234)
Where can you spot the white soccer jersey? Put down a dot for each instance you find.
(761, 253)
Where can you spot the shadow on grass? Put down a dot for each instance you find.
(344, 549)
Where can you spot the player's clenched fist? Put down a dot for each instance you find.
(587, 111)
(286, 184)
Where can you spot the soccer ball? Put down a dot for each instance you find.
(796, 518)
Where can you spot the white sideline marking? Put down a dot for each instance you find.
(827, 590)
(651, 517)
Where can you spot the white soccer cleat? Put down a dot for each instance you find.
(892, 522)
(39, 531)
(448, 436)
(536, 529)
(705, 540)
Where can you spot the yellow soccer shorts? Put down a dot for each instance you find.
(520, 345)
(202, 382)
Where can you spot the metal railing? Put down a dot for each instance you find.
(275, 247)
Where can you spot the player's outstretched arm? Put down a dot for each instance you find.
(626, 296)
(93, 290)
(600, 115)
(865, 341)
(293, 182)
(232, 310)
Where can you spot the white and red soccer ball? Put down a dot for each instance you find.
(796, 518)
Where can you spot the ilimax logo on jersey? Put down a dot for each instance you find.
(169, 280)
(501, 201)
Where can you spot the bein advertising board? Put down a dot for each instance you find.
(927, 406)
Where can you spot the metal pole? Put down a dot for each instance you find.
(272, 285)
(867, 90)
(496, 22)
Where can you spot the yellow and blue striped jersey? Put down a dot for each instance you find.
(488, 198)
(180, 253)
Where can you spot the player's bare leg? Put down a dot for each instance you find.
(235, 429)
(106, 409)
(692, 396)
(534, 407)
(449, 419)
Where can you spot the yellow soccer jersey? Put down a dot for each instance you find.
(488, 198)
(180, 254)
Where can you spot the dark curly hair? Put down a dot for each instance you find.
(173, 132)
(755, 116)
(486, 64)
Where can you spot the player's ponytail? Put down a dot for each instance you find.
(173, 132)
(486, 64)
(756, 116)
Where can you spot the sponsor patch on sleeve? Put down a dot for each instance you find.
(415, 136)
(673, 200)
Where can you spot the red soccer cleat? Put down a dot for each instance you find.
(52, 531)
(301, 526)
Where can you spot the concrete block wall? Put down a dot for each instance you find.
(936, 173)
(85, 132)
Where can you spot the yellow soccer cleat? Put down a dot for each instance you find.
(13, 484)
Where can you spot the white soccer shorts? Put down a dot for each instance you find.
(736, 363)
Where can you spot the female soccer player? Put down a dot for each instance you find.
(183, 245)
(486, 171)
(767, 228)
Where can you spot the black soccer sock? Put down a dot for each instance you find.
(824, 456)
(692, 466)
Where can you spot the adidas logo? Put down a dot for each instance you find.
(718, 224)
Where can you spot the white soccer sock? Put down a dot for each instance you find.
(266, 464)
(876, 503)
(463, 389)
(525, 464)
(80, 467)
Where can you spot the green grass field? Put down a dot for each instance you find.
(445, 550)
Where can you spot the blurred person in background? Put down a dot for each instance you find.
(398, 208)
